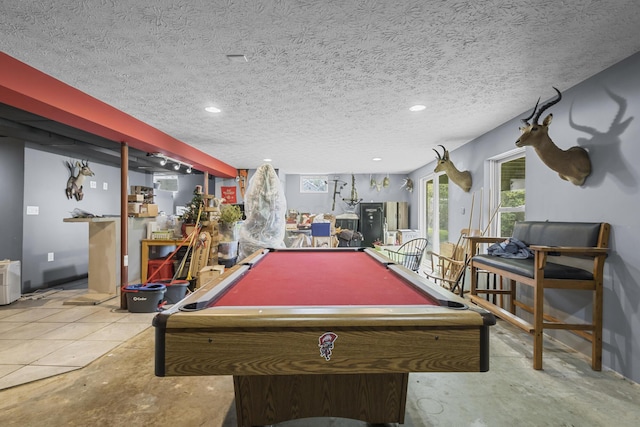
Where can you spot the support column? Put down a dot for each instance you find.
(124, 223)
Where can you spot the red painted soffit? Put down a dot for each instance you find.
(28, 89)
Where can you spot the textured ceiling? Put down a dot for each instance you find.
(327, 84)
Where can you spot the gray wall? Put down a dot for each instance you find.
(323, 202)
(11, 207)
(42, 185)
(610, 195)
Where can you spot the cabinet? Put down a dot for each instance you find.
(397, 215)
(378, 217)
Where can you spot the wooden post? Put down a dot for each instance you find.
(124, 223)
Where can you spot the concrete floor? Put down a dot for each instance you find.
(120, 389)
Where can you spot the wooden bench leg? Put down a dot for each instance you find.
(538, 327)
(596, 337)
(474, 280)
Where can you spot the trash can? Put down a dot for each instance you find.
(145, 298)
(175, 289)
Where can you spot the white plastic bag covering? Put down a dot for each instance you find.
(265, 207)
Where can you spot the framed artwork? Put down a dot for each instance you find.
(314, 184)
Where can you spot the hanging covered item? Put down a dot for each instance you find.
(265, 208)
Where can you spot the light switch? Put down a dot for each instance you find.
(105, 186)
(33, 210)
(92, 184)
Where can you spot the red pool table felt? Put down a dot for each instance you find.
(321, 278)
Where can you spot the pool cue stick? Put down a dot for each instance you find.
(167, 259)
(191, 238)
(492, 218)
(455, 248)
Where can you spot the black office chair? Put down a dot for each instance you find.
(409, 254)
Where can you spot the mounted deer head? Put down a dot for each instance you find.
(572, 165)
(74, 183)
(461, 179)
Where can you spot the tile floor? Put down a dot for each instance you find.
(41, 337)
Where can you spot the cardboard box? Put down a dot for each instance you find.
(405, 235)
(135, 198)
(209, 272)
(149, 209)
(133, 208)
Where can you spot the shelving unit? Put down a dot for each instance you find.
(147, 193)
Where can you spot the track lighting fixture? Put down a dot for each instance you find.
(164, 159)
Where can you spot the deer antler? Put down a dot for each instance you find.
(526, 120)
(547, 105)
(445, 153)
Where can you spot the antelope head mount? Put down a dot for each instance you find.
(461, 179)
(74, 183)
(572, 165)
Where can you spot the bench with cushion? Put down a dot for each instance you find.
(567, 255)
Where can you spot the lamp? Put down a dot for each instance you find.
(163, 161)
(176, 166)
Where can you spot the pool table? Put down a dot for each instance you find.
(320, 333)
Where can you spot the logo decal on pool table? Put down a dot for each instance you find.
(325, 342)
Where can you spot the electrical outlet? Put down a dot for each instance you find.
(50, 257)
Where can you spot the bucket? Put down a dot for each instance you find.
(145, 298)
(175, 289)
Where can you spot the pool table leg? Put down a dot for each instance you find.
(270, 399)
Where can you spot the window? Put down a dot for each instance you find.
(314, 184)
(166, 182)
(508, 194)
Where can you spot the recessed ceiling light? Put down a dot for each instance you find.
(377, 159)
(417, 108)
(212, 109)
(266, 160)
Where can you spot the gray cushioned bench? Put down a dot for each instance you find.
(553, 243)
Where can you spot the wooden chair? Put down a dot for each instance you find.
(410, 253)
(448, 267)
